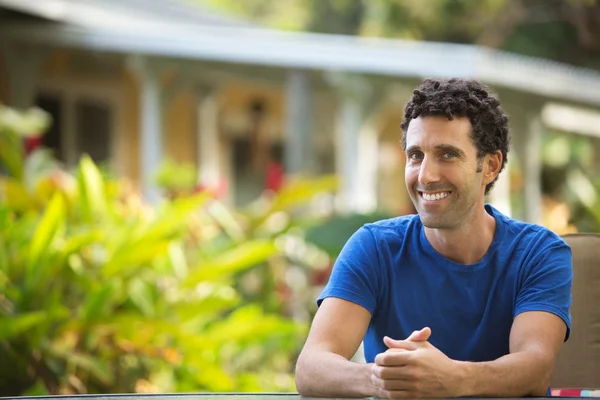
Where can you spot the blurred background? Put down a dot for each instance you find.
(177, 177)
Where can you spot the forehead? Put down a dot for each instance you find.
(434, 130)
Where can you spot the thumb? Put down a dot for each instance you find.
(420, 336)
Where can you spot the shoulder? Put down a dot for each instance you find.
(372, 237)
(533, 241)
(536, 236)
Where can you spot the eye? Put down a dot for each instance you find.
(450, 154)
(415, 156)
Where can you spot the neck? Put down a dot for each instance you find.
(468, 243)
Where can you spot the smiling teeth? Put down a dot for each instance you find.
(435, 196)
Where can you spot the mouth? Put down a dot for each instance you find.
(433, 196)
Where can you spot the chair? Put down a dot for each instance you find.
(578, 364)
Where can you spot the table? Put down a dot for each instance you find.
(195, 396)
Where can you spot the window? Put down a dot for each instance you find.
(81, 124)
(93, 129)
(53, 137)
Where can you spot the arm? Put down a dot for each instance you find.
(538, 330)
(415, 368)
(535, 340)
(323, 368)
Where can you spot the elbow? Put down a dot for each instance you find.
(539, 391)
(540, 386)
(301, 379)
(301, 386)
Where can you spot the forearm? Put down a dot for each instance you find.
(514, 375)
(326, 374)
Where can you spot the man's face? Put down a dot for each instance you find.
(442, 175)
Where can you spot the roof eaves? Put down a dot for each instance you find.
(330, 52)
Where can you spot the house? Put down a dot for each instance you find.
(132, 82)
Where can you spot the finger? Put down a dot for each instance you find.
(398, 344)
(421, 335)
(393, 373)
(393, 358)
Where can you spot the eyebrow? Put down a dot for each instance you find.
(439, 147)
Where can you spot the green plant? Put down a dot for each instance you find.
(569, 176)
(100, 293)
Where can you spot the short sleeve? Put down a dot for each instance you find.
(354, 276)
(547, 285)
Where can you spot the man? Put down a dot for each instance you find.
(458, 300)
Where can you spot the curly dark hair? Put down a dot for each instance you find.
(463, 98)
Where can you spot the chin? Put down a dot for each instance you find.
(434, 223)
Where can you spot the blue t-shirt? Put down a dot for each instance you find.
(391, 269)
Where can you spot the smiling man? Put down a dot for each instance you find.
(458, 300)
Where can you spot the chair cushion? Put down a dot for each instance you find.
(578, 365)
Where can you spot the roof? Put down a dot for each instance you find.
(134, 33)
(122, 13)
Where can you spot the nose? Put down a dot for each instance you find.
(429, 172)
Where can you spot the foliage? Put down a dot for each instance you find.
(101, 293)
(566, 31)
(331, 236)
(175, 178)
(569, 178)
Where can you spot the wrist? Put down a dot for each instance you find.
(465, 379)
(371, 390)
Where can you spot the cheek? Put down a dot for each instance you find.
(410, 174)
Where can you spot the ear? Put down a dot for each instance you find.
(491, 166)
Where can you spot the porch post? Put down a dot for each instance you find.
(532, 170)
(354, 145)
(298, 138)
(526, 128)
(151, 125)
(208, 148)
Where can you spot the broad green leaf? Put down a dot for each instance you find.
(299, 192)
(138, 255)
(11, 154)
(141, 295)
(91, 190)
(97, 367)
(226, 220)
(215, 377)
(206, 310)
(46, 232)
(250, 323)
(3, 279)
(77, 242)
(99, 302)
(16, 195)
(178, 260)
(141, 242)
(167, 228)
(3, 244)
(187, 205)
(210, 299)
(237, 259)
(11, 327)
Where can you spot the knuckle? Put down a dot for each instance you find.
(414, 374)
(381, 358)
(389, 385)
(377, 371)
